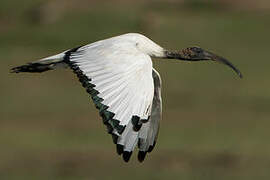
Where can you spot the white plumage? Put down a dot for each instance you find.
(118, 74)
(122, 74)
(121, 70)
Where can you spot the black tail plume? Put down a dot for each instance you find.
(33, 68)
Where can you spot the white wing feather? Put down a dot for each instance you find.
(117, 73)
(121, 76)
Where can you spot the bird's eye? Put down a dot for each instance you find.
(196, 49)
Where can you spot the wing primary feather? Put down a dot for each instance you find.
(135, 122)
(109, 128)
(141, 156)
(127, 155)
(151, 147)
(119, 149)
(115, 138)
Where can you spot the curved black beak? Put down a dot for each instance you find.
(211, 56)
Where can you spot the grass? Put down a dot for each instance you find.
(215, 126)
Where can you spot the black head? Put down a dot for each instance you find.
(194, 54)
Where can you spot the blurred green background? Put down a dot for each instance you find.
(214, 126)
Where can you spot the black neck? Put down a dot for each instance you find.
(181, 55)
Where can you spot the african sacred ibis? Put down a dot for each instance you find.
(125, 88)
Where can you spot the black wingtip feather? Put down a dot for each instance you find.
(126, 156)
(119, 149)
(115, 138)
(151, 147)
(136, 125)
(141, 156)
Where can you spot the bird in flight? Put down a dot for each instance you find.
(125, 88)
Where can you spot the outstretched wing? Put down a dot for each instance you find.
(149, 131)
(119, 80)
